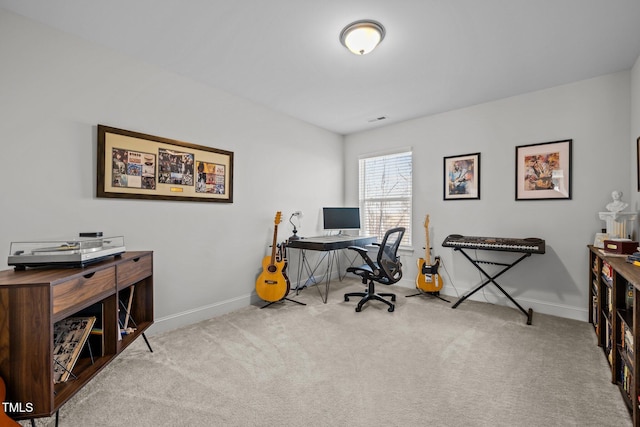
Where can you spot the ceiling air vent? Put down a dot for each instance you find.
(377, 119)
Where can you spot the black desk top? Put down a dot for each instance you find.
(330, 243)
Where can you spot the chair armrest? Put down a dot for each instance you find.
(362, 251)
(365, 256)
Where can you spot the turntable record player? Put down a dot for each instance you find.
(76, 252)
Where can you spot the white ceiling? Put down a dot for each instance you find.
(438, 55)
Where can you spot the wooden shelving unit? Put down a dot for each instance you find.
(614, 306)
(32, 301)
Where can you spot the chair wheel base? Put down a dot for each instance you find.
(371, 295)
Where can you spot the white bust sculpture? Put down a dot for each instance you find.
(620, 225)
(617, 205)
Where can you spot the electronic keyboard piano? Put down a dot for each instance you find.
(531, 244)
(526, 247)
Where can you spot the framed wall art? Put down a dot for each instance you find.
(462, 177)
(543, 171)
(638, 162)
(138, 166)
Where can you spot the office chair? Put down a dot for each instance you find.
(386, 270)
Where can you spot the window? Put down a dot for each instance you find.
(385, 194)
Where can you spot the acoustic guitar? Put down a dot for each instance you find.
(5, 421)
(428, 279)
(272, 284)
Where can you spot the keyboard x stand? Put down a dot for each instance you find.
(491, 279)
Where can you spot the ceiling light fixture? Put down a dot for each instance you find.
(361, 37)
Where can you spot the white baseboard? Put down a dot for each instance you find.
(545, 307)
(199, 314)
(195, 315)
(177, 320)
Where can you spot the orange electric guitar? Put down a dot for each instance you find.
(5, 421)
(272, 284)
(428, 279)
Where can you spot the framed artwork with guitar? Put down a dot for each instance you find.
(462, 177)
(543, 171)
(428, 279)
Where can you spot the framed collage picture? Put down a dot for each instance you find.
(462, 177)
(139, 166)
(638, 162)
(543, 171)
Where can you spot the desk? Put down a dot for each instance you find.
(330, 247)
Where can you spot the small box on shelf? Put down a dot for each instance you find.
(620, 246)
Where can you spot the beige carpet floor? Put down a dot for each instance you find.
(326, 365)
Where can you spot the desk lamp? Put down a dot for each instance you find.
(299, 215)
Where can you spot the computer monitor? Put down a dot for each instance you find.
(341, 218)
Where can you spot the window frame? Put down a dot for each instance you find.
(364, 200)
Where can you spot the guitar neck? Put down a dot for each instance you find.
(427, 255)
(274, 244)
(427, 251)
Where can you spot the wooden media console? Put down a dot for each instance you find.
(34, 300)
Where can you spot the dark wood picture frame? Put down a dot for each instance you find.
(461, 177)
(638, 162)
(133, 165)
(543, 171)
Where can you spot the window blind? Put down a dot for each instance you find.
(386, 194)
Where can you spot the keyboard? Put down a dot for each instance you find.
(530, 245)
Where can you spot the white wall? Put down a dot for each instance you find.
(55, 89)
(594, 113)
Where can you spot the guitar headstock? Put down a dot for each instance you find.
(278, 218)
